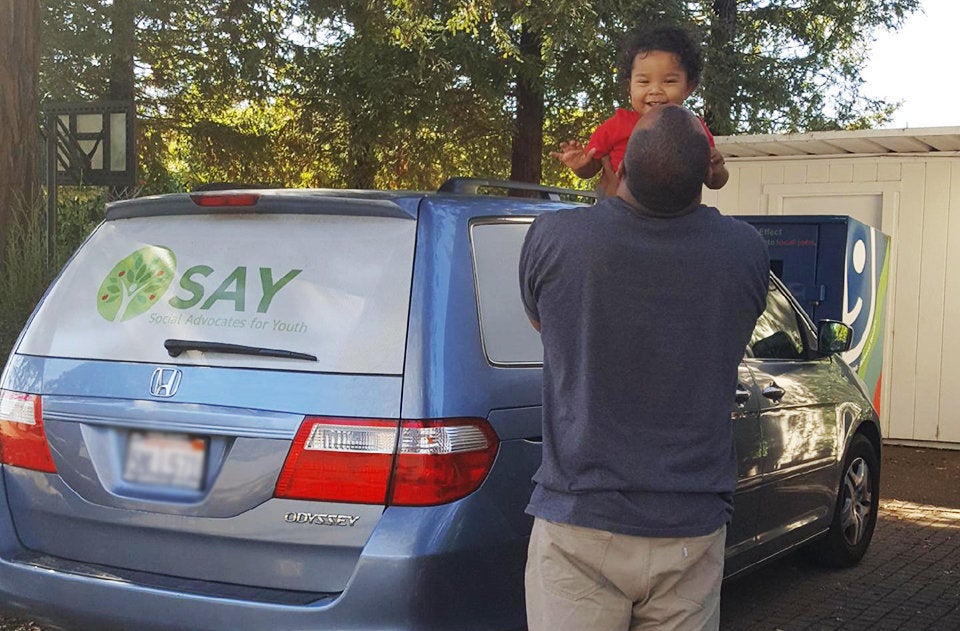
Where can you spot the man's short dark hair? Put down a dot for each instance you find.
(665, 165)
(669, 38)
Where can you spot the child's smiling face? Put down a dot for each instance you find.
(658, 78)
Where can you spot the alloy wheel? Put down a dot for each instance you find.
(857, 501)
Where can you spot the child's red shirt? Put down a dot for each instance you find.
(612, 135)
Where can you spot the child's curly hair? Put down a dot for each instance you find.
(666, 37)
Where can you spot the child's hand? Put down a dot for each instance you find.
(717, 174)
(716, 158)
(577, 159)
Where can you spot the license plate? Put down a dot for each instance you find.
(165, 459)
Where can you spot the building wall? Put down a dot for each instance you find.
(916, 200)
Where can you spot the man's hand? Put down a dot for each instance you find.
(577, 158)
(610, 179)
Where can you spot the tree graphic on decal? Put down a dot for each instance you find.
(136, 283)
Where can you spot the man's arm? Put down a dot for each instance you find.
(527, 263)
(610, 180)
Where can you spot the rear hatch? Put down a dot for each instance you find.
(173, 363)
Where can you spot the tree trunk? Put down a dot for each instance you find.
(123, 43)
(122, 84)
(720, 85)
(19, 138)
(527, 148)
(362, 165)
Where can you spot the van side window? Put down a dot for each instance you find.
(777, 334)
(506, 333)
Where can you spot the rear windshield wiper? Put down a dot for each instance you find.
(175, 347)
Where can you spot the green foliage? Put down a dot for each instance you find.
(791, 66)
(253, 143)
(79, 210)
(405, 93)
(194, 61)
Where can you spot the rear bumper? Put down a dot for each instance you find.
(83, 602)
(398, 584)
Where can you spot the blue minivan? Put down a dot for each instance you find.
(318, 409)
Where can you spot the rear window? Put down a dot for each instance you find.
(334, 287)
(507, 335)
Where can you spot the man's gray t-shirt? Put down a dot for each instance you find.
(644, 322)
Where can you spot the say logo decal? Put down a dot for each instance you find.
(136, 283)
(139, 281)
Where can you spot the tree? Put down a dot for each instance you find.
(388, 88)
(123, 43)
(789, 65)
(527, 142)
(492, 72)
(185, 63)
(19, 24)
(405, 93)
(720, 77)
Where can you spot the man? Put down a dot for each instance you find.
(645, 303)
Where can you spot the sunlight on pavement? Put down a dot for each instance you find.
(923, 514)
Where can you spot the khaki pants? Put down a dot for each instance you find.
(580, 579)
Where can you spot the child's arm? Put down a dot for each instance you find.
(717, 174)
(577, 159)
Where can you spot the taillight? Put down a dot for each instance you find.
(372, 461)
(441, 460)
(339, 460)
(23, 442)
(225, 199)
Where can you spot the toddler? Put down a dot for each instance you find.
(659, 64)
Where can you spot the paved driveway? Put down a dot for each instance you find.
(909, 580)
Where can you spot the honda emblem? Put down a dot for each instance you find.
(165, 382)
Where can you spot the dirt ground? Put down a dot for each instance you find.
(921, 476)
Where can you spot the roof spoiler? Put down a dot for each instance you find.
(472, 186)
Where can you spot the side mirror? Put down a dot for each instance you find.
(833, 337)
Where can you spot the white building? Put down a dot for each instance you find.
(906, 183)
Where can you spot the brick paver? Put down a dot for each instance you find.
(909, 580)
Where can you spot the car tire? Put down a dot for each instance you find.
(855, 515)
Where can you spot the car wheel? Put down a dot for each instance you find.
(855, 515)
